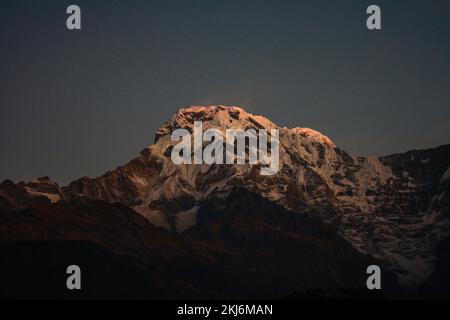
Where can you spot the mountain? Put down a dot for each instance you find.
(243, 247)
(232, 232)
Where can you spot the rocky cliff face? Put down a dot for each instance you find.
(394, 208)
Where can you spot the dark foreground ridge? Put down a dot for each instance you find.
(251, 248)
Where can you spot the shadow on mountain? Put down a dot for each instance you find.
(243, 246)
(436, 286)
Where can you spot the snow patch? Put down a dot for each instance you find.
(53, 197)
(186, 219)
(314, 135)
(446, 175)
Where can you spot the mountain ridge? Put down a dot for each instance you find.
(394, 208)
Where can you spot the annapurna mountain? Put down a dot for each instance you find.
(226, 231)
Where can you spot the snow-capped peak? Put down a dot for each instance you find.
(314, 135)
(225, 117)
(362, 197)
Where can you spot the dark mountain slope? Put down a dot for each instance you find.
(250, 248)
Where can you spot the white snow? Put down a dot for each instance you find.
(446, 175)
(186, 219)
(314, 135)
(372, 168)
(51, 196)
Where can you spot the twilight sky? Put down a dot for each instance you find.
(81, 103)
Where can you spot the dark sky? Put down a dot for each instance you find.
(81, 103)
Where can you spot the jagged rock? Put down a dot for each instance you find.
(393, 208)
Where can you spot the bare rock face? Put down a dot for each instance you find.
(22, 195)
(394, 208)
